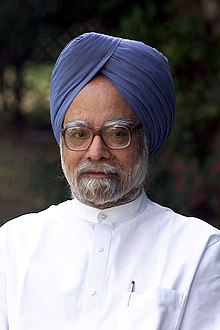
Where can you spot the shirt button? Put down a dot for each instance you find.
(104, 216)
(92, 292)
(100, 249)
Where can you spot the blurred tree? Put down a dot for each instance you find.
(32, 30)
(19, 30)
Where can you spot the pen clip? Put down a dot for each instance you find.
(130, 291)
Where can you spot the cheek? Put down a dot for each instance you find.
(131, 156)
(71, 159)
(128, 160)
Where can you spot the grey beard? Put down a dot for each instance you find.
(101, 191)
(98, 191)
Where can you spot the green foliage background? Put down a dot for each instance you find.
(186, 174)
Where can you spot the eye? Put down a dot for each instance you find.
(78, 133)
(116, 136)
(118, 132)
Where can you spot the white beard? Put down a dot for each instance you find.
(119, 186)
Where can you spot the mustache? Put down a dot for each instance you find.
(105, 168)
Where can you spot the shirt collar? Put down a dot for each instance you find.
(110, 215)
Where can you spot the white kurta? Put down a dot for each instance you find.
(71, 267)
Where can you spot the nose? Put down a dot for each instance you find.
(98, 149)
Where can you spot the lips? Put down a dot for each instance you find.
(98, 170)
(92, 173)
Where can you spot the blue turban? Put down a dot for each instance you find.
(138, 71)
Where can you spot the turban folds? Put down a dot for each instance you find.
(138, 71)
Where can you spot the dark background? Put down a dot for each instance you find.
(186, 174)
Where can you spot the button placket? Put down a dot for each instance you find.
(97, 274)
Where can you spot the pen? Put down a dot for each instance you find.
(130, 291)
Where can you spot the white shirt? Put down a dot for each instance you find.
(71, 267)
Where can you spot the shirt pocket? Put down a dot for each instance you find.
(156, 309)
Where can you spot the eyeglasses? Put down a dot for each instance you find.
(78, 138)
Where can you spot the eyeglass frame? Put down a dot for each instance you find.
(97, 131)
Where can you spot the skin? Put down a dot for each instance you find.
(98, 102)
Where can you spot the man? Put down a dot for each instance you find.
(109, 258)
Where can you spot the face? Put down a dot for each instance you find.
(100, 176)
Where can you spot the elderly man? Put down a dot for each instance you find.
(109, 258)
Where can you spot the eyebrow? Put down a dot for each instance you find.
(75, 123)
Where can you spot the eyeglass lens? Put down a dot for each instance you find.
(81, 137)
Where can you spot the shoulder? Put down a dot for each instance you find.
(178, 226)
(32, 224)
